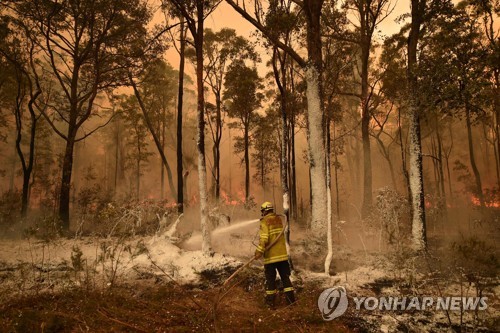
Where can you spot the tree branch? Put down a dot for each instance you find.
(268, 34)
(97, 128)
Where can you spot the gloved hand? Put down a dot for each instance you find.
(258, 254)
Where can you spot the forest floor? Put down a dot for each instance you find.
(148, 284)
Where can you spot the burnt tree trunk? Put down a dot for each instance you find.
(138, 170)
(280, 79)
(246, 138)
(218, 138)
(441, 172)
(180, 96)
(365, 127)
(475, 170)
(329, 232)
(156, 139)
(162, 172)
(67, 169)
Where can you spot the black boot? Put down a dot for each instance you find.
(290, 297)
(271, 301)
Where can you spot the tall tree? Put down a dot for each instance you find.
(243, 99)
(369, 14)
(489, 12)
(338, 58)
(195, 13)
(220, 49)
(18, 50)
(180, 97)
(181, 50)
(265, 143)
(137, 140)
(455, 44)
(87, 46)
(158, 90)
(311, 11)
(282, 23)
(416, 180)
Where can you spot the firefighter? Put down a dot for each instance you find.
(275, 257)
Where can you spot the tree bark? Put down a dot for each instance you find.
(404, 167)
(138, 170)
(67, 169)
(329, 232)
(497, 124)
(315, 133)
(218, 137)
(280, 79)
(162, 170)
(447, 154)
(180, 97)
(27, 167)
(365, 129)
(416, 181)
(336, 162)
(475, 170)
(387, 156)
(202, 169)
(441, 172)
(154, 134)
(247, 163)
(293, 182)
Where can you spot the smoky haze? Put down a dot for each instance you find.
(143, 143)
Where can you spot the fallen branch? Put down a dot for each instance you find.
(103, 313)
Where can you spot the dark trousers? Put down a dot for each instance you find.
(283, 269)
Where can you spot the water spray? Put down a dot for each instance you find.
(234, 226)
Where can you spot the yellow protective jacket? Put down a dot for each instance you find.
(270, 228)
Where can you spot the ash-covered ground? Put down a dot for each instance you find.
(93, 283)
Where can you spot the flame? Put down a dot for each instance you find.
(226, 199)
(241, 196)
(490, 204)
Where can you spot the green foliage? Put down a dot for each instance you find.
(280, 19)
(452, 62)
(242, 93)
(266, 146)
(111, 35)
(159, 91)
